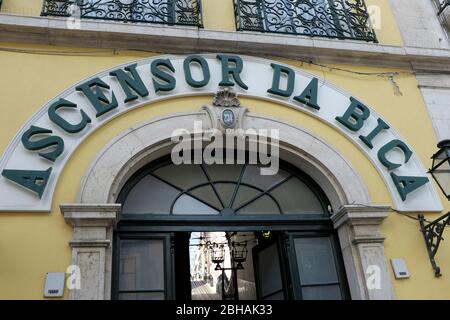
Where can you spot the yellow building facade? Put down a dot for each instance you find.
(71, 216)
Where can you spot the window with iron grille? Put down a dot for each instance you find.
(172, 12)
(441, 5)
(343, 19)
(443, 12)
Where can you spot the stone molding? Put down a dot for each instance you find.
(107, 34)
(226, 97)
(358, 226)
(92, 247)
(362, 247)
(436, 93)
(149, 141)
(90, 215)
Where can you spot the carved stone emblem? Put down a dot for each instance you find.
(228, 118)
(226, 97)
(226, 111)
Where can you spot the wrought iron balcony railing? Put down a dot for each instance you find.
(343, 19)
(441, 5)
(171, 12)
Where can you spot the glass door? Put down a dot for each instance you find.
(269, 271)
(143, 267)
(317, 273)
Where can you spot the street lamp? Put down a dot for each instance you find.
(440, 169)
(432, 232)
(217, 254)
(239, 253)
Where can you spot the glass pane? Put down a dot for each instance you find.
(188, 205)
(141, 265)
(243, 195)
(225, 191)
(315, 260)
(442, 175)
(150, 195)
(322, 293)
(207, 195)
(252, 176)
(295, 197)
(269, 272)
(224, 172)
(262, 205)
(183, 176)
(141, 296)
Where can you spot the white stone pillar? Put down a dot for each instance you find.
(92, 247)
(363, 251)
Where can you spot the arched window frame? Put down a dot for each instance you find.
(226, 215)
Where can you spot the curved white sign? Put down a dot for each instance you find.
(36, 157)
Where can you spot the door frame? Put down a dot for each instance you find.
(355, 212)
(169, 268)
(139, 228)
(291, 257)
(284, 265)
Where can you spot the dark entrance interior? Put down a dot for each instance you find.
(237, 265)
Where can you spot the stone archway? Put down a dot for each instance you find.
(356, 218)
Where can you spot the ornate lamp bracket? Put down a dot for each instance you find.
(432, 233)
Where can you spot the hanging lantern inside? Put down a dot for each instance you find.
(217, 254)
(239, 252)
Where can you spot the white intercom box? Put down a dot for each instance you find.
(54, 284)
(400, 269)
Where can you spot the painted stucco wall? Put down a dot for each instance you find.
(32, 244)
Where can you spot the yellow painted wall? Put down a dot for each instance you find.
(22, 7)
(219, 15)
(387, 32)
(32, 244)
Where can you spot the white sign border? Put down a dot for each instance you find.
(425, 200)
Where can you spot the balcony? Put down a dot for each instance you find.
(442, 5)
(170, 12)
(342, 19)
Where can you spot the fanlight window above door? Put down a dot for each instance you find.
(169, 189)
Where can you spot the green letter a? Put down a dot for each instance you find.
(33, 180)
(406, 185)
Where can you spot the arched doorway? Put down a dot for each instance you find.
(177, 219)
(356, 218)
